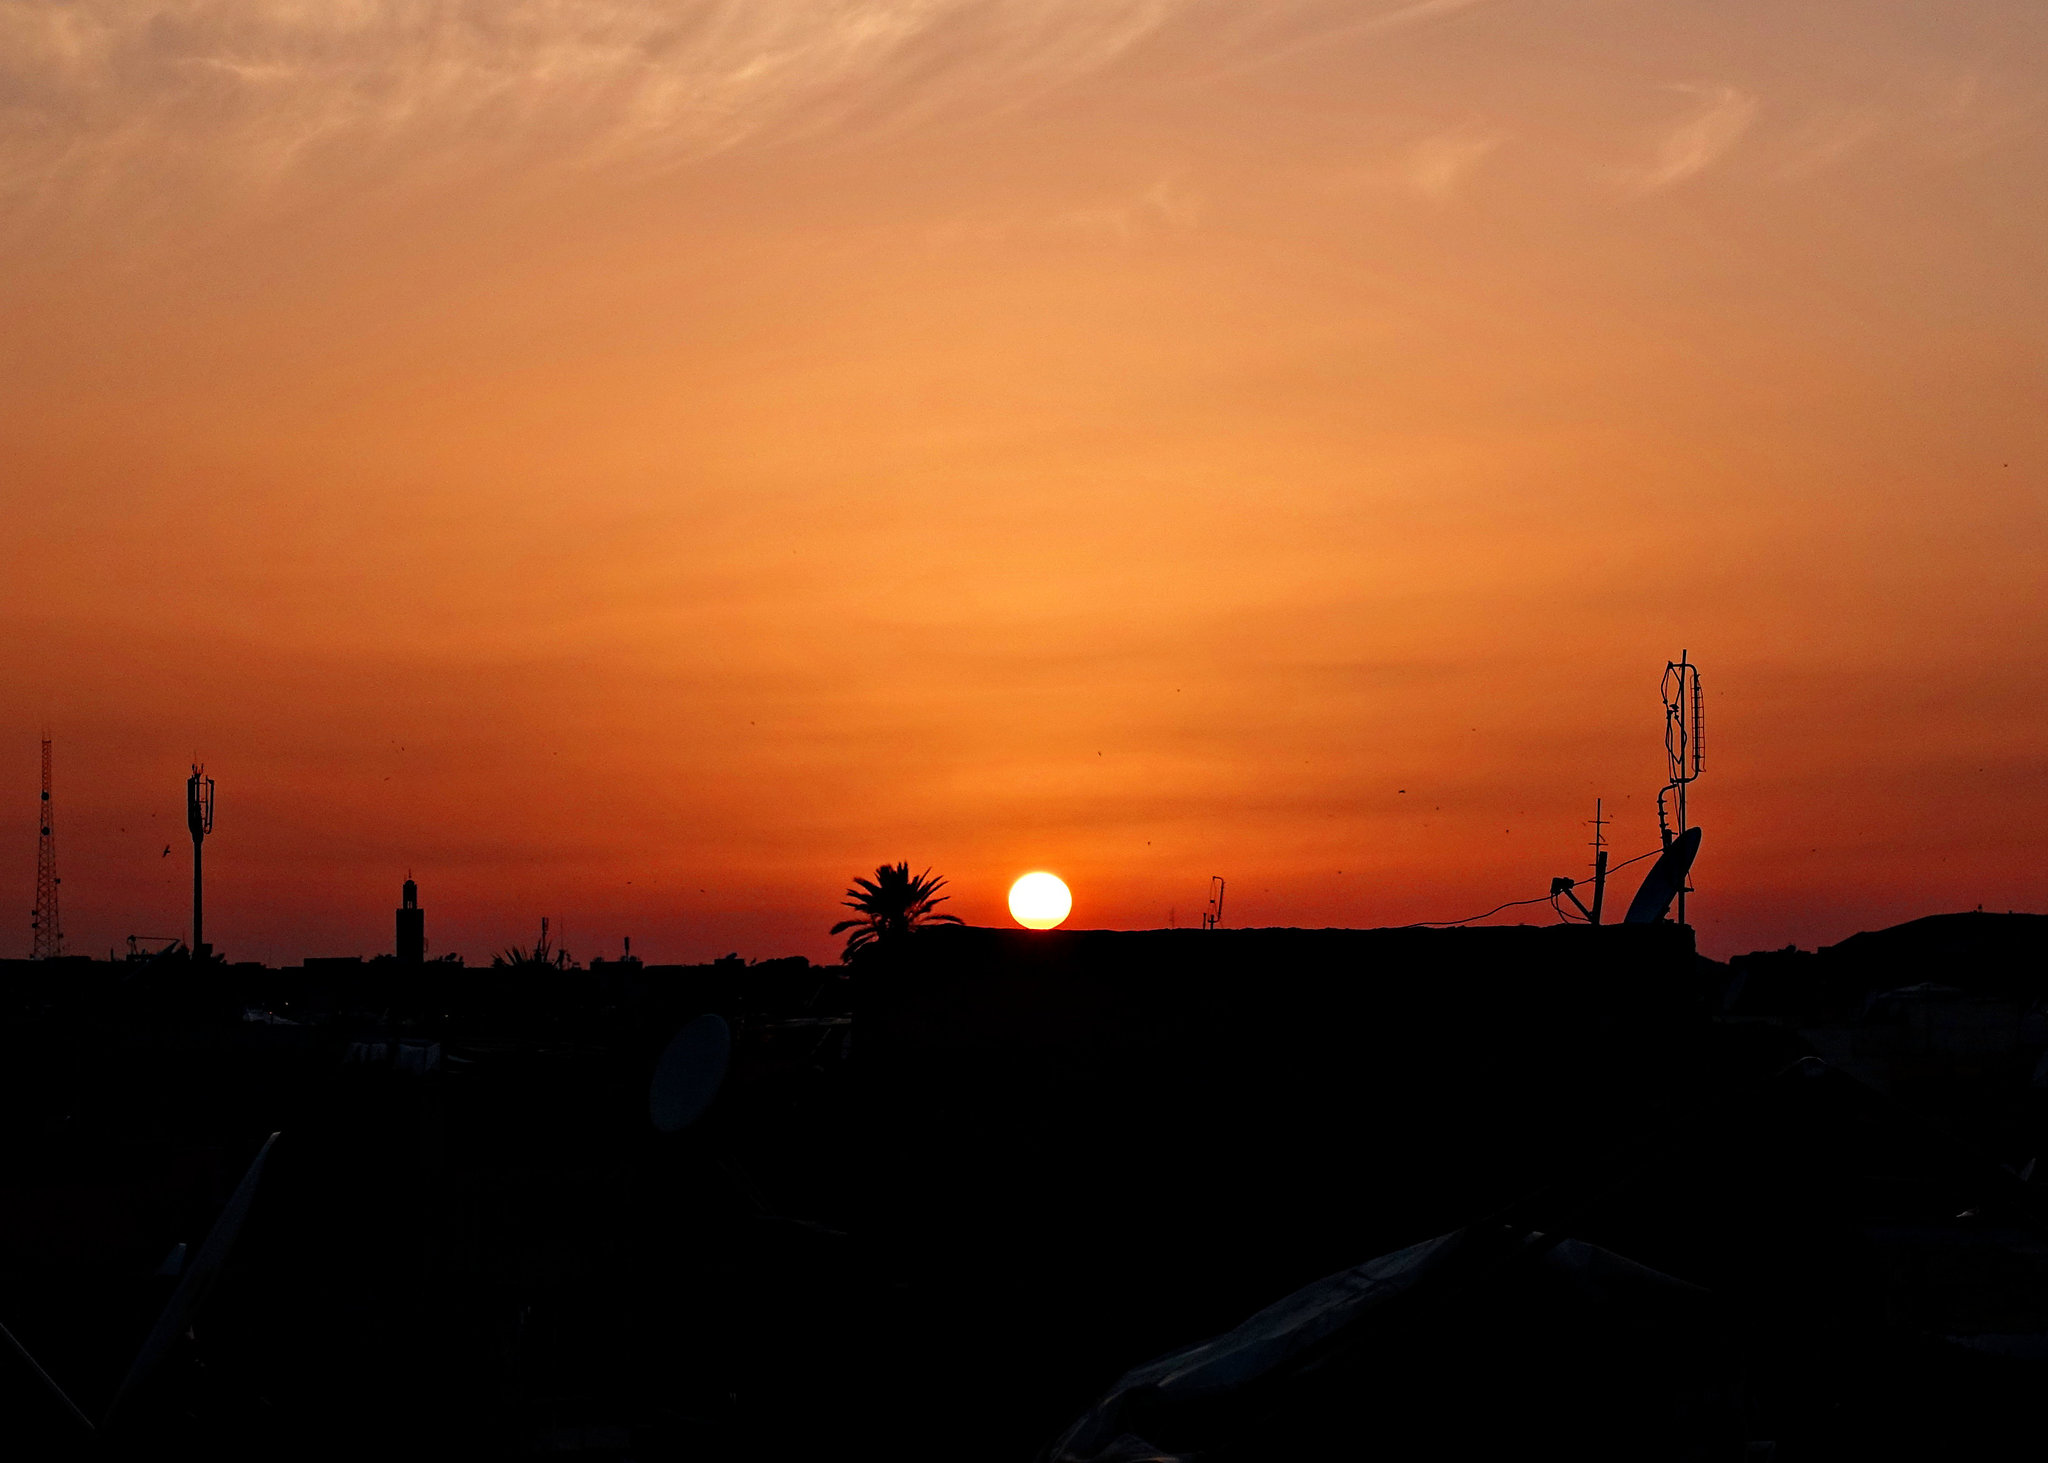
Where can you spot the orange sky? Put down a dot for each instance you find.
(644, 463)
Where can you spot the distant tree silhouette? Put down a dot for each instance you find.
(888, 907)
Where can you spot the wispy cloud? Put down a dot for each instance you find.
(1439, 164)
(1286, 35)
(1826, 138)
(261, 86)
(1969, 114)
(1400, 17)
(1717, 123)
(1165, 205)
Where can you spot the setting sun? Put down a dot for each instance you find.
(1040, 901)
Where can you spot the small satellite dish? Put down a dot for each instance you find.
(689, 1073)
(1665, 879)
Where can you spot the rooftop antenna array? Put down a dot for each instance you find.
(1212, 914)
(47, 934)
(1564, 886)
(199, 818)
(1685, 739)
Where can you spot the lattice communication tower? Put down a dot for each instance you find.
(48, 937)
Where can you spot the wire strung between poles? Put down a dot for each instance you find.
(1430, 924)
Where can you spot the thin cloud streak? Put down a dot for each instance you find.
(1824, 141)
(257, 88)
(1337, 33)
(1702, 139)
(1439, 165)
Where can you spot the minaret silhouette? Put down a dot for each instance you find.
(412, 925)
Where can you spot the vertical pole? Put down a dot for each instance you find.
(1599, 860)
(1684, 734)
(199, 818)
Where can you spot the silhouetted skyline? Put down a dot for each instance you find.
(645, 474)
(668, 624)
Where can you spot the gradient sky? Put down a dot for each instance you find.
(645, 463)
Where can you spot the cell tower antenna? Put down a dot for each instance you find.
(1685, 735)
(47, 941)
(199, 818)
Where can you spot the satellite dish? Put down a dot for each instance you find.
(689, 1073)
(197, 1281)
(1665, 879)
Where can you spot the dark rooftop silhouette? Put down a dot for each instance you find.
(959, 1189)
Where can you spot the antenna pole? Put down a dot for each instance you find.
(198, 818)
(1599, 864)
(1685, 734)
(46, 940)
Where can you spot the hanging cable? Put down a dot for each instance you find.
(1424, 924)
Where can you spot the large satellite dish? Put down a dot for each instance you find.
(689, 1073)
(1665, 879)
(198, 1280)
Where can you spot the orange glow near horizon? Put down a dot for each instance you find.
(646, 473)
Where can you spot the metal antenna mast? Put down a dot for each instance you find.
(199, 818)
(1685, 737)
(1565, 886)
(1599, 862)
(47, 942)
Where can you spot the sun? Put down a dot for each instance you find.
(1040, 901)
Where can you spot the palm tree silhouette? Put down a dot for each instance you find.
(515, 957)
(888, 907)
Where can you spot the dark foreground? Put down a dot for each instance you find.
(1569, 1189)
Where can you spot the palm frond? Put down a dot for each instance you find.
(891, 906)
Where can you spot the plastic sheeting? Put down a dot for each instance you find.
(1216, 1393)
